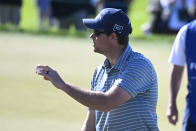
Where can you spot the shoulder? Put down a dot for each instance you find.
(138, 61)
(138, 66)
(181, 36)
(177, 55)
(138, 75)
(183, 30)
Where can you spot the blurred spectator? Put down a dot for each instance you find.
(118, 4)
(10, 11)
(191, 4)
(44, 14)
(71, 12)
(92, 8)
(168, 16)
(174, 14)
(154, 25)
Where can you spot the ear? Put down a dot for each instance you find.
(113, 36)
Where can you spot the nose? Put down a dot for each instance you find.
(92, 36)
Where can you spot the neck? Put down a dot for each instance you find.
(115, 54)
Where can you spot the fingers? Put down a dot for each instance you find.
(43, 71)
(173, 119)
(172, 115)
(42, 67)
(46, 78)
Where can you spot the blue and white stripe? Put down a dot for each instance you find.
(134, 73)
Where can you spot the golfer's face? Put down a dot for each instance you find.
(100, 41)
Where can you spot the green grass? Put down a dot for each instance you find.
(28, 103)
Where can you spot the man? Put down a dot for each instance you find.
(155, 23)
(183, 52)
(44, 8)
(123, 94)
(10, 11)
(70, 12)
(118, 4)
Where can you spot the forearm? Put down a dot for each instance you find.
(174, 89)
(92, 99)
(175, 82)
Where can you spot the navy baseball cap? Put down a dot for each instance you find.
(110, 20)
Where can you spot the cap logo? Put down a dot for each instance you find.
(118, 28)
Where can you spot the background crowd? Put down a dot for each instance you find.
(166, 16)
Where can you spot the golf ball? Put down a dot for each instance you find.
(38, 69)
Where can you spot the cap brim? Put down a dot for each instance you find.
(92, 24)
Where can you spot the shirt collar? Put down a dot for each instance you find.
(120, 62)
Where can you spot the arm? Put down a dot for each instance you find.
(175, 82)
(89, 123)
(103, 101)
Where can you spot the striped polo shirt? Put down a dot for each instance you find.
(134, 73)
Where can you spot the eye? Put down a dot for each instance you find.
(97, 33)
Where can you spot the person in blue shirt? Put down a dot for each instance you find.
(123, 95)
(45, 18)
(183, 53)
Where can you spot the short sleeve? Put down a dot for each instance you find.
(137, 77)
(177, 55)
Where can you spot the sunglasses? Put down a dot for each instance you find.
(97, 33)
